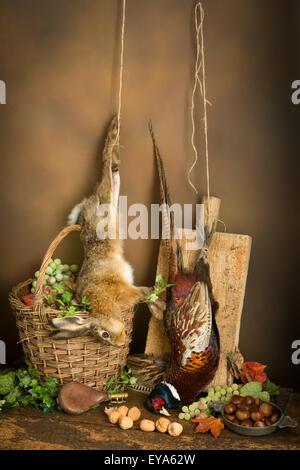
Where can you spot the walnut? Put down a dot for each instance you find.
(134, 413)
(114, 416)
(175, 429)
(147, 425)
(123, 410)
(162, 424)
(125, 422)
(108, 410)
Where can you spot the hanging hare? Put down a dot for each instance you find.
(105, 278)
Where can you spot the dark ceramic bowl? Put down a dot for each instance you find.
(283, 422)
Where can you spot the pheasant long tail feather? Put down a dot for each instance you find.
(174, 250)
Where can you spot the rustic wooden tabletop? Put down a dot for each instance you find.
(31, 429)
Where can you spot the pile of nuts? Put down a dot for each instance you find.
(126, 417)
(250, 412)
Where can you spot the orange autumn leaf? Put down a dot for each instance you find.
(203, 427)
(217, 428)
(212, 424)
(253, 372)
(209, 419)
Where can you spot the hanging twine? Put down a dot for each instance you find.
(121, 73)
(201, 82)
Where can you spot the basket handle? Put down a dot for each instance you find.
(38, 304)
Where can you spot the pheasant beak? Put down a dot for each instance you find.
(164, 412)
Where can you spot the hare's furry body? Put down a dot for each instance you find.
(105, 278)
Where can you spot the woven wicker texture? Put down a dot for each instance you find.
(81, 359)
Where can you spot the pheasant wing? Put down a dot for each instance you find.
(191, 324)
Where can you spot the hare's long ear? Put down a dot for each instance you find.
(70, 327)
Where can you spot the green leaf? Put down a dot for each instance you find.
(12, 397)
(32, 371)
(152, 298)
(110, 381)
(7, 382)
(71, 311)
(67, 296)
(158, 279)
(124, 379)
(254, 389)
(271, 387)
(132, 380)
(264, 396)
(25, 381)
(95, 407)
(251, 388)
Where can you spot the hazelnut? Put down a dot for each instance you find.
(123, 410)
(114, 416)
(147, 425)
(125, 422)
(175, 429)
(162, 424)
(134, 413)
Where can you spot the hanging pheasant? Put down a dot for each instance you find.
(189, 320)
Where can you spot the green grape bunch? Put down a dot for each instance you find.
(201, 408)
(59, 288)
(57, 274)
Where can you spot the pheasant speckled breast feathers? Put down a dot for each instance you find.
(191, 324)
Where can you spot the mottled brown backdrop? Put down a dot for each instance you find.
(59, 60)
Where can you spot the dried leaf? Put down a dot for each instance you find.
(217, 428)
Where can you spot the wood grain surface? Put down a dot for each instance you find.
(25, 429)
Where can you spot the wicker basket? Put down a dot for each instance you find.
(81, 359)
